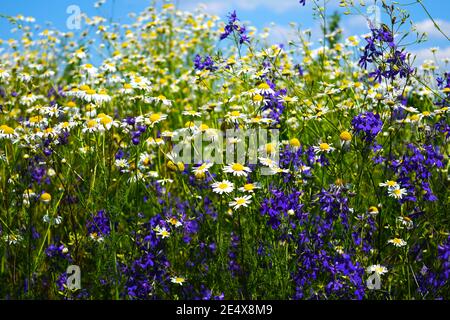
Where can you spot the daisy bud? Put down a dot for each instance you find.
(45, 197)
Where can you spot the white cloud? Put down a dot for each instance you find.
(426, 54)
(282, 34)
(216, 7)
(429, 27)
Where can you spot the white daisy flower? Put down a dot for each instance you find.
(267, 162)
(154, 118)
(175, 222)
(178, 280)
(240, 202)
(397, 193)
(265, 89)
(122, 164)
(390, 184)
(323, 147)
(397, 242)
(249, 187)
(406, 222)
(4, 75)
(378, 269)
(223, 187)
(203, 168)
(237, 169)
(162, 232)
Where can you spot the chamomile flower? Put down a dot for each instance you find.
(177, 280)
(237, 169)
(122, 164)
(191, 113)
(138, 82)
(249, 187)
(268, 162)
(109, 67)
(127, 89)
(80, 54)
(277, 170)
(264, 88)
(159, 99)
(25, 77)
(29, 99)
(162, 232)
(107, 121)
(27, 195)
(45, 197)
(224, 186)
(89, 69)
(373, 210)
(154, 141)
(378, 269)
(145, 159)
(91, 126)
(155, 118)
(4, 75)
(323, 147)
(6, 132)
(240, 202)
(390, 184)
(258, 100)
(406, 222)
(269, 149)
(203, 168)
(174, 222)
(397, 193)
(53, 221)
(397, 242)
(287, 99)
(53, 111)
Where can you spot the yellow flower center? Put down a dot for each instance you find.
(6, 129)
(294, 142)
(235, 113)
(155, 117)
(240, 201)
(237, 167)
(270, 148)
(46, 197)
(345, 136)
(373, 209)
(105, 120)
(264, 86)
(391, 183)
(249, 186)
(324, 146)
(258, 98)
(223, 186)
(91, 123)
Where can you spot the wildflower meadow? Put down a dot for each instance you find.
(186, 156)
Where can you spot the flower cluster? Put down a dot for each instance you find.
(233, 27)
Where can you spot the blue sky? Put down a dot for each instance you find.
(260, 13)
